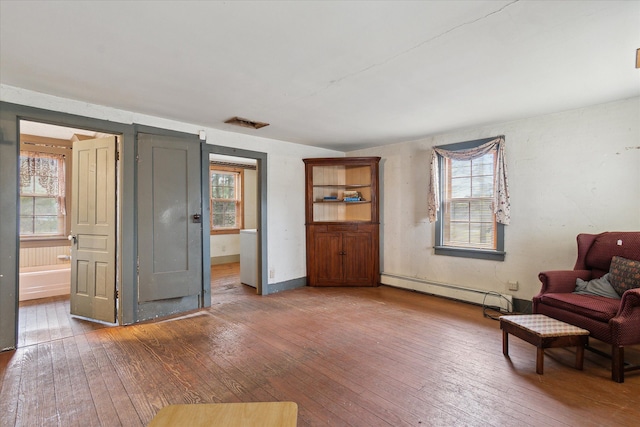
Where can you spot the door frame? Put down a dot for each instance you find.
(10, 116)
(262, 287)
(128, 311)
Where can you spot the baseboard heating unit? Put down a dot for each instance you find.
(447, 290)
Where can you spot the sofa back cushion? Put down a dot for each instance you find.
(605, 247)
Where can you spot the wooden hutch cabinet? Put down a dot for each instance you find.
(342, 221)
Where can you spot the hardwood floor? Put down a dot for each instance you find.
(348, 357)
(48, 319)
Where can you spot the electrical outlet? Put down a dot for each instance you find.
(272, 273)
(513, 285)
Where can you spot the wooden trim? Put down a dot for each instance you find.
(44, 242)
(225, 231)
(225, 259)
(218, 165)
(44, 140)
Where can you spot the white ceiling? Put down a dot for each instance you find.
(341, 75)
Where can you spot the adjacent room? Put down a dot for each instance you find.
(356, 213)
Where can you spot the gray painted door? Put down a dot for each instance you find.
(93, 229)
(169, 223)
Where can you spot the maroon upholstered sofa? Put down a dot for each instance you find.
(614, 321)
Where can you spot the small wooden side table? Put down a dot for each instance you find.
(543, 332)
(258, 414)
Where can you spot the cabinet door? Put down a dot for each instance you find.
(328, 259)
(358, 259)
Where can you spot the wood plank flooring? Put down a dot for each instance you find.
(48, 319)
(348, 357)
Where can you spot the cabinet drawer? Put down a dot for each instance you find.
(343, 227)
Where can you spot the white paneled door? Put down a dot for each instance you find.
(93, 229)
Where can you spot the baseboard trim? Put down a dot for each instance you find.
(226, 259)
(524, 306)
(287, 285)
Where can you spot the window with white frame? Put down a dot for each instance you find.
(468, 218)
(226, 199)
(42, 194)
(469, 199)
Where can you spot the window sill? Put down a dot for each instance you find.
(42, 242)
(470, 253)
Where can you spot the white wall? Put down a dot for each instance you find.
(285, 172)
(571, 172)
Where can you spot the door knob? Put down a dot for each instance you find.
(196, 218)
(72, 239)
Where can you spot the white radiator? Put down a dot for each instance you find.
(460, 293)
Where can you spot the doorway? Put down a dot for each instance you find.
(45, 207)
(253, 233)
(233, 205)
(130, 310)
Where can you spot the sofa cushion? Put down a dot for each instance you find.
(592, 306)
(599, 286)
(624, 274)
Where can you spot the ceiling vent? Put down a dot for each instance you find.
(239, 121)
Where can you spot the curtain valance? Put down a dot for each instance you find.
(501, 204)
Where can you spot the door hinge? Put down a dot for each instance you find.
(117, 293)
(117, 156)
(138, 265)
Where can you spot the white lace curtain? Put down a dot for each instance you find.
(501, 204)
(47, 171)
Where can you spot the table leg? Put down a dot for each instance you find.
(505, 343)
(540, 360)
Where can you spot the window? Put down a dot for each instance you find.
(470, 202)
(226, 199)
(42, 194)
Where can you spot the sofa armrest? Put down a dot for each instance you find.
(561, 281)
(625, 326)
